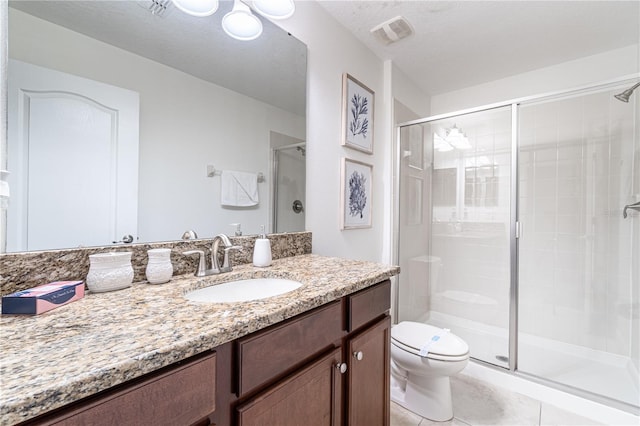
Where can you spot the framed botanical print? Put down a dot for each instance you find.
(356, 194)
(357, 115)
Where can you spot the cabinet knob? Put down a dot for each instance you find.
(358, 355)
(341, 367)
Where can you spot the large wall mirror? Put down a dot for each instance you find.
(143, 106)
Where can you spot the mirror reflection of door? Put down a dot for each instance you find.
(288, 177)
(56, 121)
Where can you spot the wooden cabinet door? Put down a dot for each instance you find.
(368, 376)
(182, 395)
(311, 397)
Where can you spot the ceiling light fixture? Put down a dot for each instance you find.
(275, 9)
(240, 23)
(197, 7)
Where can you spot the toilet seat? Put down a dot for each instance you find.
(413, 336)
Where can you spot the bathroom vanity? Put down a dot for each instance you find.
(333, 363)
(149, 356)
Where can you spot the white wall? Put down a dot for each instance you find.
(3, 121)
(410, 95)
(185, 124)
(566, 75)
(333, 51)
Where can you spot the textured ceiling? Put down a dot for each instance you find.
(271, 68)
(459, 44)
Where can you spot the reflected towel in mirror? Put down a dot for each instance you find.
(239, 189)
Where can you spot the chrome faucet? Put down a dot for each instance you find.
(215, 259)
(202, 270)
(202, 262)
(635, 206)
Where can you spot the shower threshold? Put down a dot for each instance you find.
(597, 372)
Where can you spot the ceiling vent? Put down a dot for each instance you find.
(156, 7)
(393, 30)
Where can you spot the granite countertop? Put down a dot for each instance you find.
(105, 339)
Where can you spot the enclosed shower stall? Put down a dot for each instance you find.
(288, 187)
(518, 232)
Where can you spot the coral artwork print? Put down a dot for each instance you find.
(359, 123)
(356, 178)
(357, 194)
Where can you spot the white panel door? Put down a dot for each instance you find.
(73, 154)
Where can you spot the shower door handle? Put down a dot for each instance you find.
(634, 206)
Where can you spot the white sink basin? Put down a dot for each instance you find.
(243, 290)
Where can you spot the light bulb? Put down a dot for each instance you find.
(197, 7)
(240, 23)
(275, 9)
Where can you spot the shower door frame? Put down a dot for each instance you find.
(275, 167)
(514, 224)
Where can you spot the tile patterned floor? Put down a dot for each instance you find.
(476, 403)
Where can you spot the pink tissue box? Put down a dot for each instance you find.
(43, 298)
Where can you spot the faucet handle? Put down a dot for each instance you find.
(226, 263)
(200, 272)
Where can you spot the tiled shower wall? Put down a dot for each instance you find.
(576, 174)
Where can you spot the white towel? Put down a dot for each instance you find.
(239, 189)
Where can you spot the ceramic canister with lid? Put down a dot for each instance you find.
(109, 271)
(159, 268)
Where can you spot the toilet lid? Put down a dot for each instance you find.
(414, 336)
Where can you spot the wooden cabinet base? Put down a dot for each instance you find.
(326, 367)
(349, 386)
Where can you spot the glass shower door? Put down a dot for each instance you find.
(455, 235)
(578, 297)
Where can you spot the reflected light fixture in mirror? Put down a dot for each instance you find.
(197, 7)
(275, 9)
(441, 145)
(454, 139)
(457, 138)
(240, 23)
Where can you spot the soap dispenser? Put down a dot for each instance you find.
(238, 227)
(262, 250)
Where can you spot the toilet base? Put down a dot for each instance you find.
(428, 397)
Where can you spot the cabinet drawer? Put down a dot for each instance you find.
(368, 304)
(180, 396)
(265, 355)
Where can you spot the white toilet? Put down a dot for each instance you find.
(422, 359)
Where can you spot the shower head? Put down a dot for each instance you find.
(624, 96)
